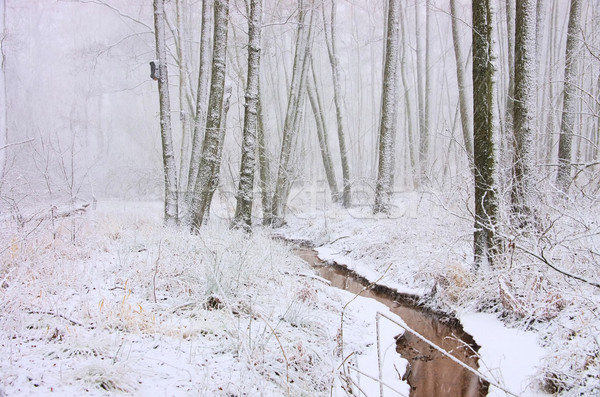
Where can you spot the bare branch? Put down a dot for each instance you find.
(16, 143)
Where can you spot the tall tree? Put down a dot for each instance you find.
(567, 125)
(423, 140)
(185, 102)
(330, 40)
(426, 128)
(385, 172)
(465, 116)
(506, 149)
(168, 152)
(484, 131)
(201, 105)
(524, 109)
(211, 157)
(243, 211)
(407, 103)
(317, 109)
(263, 160)
(292, 116)
(3, 129)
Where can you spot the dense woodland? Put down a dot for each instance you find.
(366, 99)
(232, 109)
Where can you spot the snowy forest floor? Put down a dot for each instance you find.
(537, 327)
(112, 302)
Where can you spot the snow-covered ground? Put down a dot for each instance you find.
(112, 302)
(131, 307)
(425, 247)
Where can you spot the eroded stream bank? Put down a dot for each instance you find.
(430, 373)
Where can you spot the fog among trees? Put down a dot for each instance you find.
(250, 112)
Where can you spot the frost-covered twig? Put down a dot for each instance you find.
(16, 143)
(49, 313)
(155, 272)
(381, 382)
(287, 364)
(542, 258)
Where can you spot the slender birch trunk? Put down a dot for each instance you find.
(184, 116)
(263, 161)
(385, 173)
(168, 151)
(425, 129)
(243, 211)
(200, 115)
(407, 103)
(465, 116)
(337, 98)
(3, 113)
(209, 163)
(567, 125)
(317, 109)
(420, 90)
(214, 184)
(282, 186)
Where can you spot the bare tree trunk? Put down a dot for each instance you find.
(211, 158)
(3, 113)
(200, 116)
(317, 109)
(245, 195)
(275, 217)
(263, 160)
(596, 141)
(169, 165)
(484, 130)
(420, 93)
(217, 171)
(385, 173)
(567, 125)
(425, 129)
(524, 108)
(184, 99)
(465, 116)
(337, 97)
(407, 103)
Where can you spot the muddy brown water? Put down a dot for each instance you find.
(430, 373)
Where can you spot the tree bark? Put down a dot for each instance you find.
(567, 125)
(245, 196)
(211, 157)
(407, 103)
(465, 116)
(385, 172)
(263, 161)
(317, 109)
(290, 127)
(184, 100)
(420, 91)
(484, 131)
(337, 98)
(425, 129)
(168, 152)
(3, 113)
(524, 108)
(200, 115)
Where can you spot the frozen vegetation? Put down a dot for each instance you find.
(113, 302)
(110, 301)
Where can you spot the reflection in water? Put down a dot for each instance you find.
(430, 373)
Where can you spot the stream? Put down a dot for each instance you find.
(430, 373)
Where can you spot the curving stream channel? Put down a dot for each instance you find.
(430, 373)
